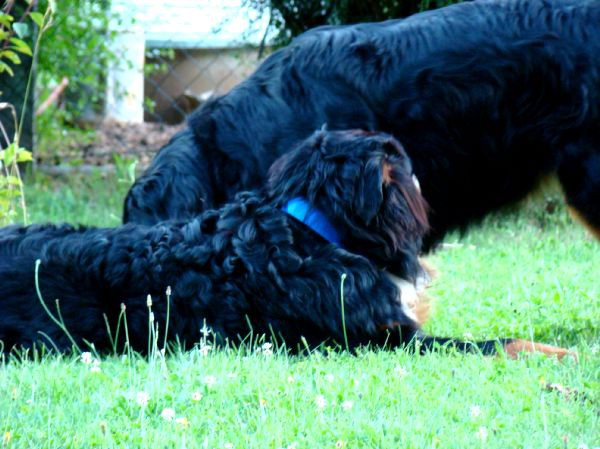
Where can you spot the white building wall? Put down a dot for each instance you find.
(194, 23)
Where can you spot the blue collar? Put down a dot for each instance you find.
(301, 210)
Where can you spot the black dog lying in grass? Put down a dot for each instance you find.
(342, 203)
(487, 97)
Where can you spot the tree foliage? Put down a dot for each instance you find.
(14, 37)
(292, 17)
(76, 46)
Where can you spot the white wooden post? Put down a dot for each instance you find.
(125, 77)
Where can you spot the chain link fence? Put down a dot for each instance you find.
(179, 79)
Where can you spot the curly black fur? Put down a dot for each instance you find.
(245, 267)
(487, 97)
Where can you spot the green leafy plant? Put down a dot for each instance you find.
(77, 46)
(12, 197)
(12, 45)
(79, 49)
(125, 168)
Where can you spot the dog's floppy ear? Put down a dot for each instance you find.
(369, 189)
(293, 172)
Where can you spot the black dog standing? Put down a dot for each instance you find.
(342, 203)
(487, 97)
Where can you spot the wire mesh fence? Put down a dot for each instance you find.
(180, 79)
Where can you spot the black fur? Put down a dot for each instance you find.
(246, 266)
(487, 97)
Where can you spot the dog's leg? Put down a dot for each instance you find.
(579, 175)
(415, 306)
(511, 347)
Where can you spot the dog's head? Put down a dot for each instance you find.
(363, 183)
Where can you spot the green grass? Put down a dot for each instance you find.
(94, 199)
(524, 275)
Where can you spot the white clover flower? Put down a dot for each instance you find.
(168, 414)
(482, 433)
(196, 396)
(182, 421)
(228, 445)
(267, 349)
(86, 358)
(210, 381)
(400, 371)
(204, 349)
(347, 405)
(142, 398)
(329, 378)
(475, 411)
(291, 379)
(320, 402)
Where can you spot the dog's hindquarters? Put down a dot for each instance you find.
(65, 286)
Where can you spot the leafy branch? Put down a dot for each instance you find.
(12, 44)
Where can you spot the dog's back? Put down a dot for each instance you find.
(19, 241)
(484, 96)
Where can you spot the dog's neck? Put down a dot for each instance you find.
(305, 213)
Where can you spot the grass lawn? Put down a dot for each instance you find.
(527, 275)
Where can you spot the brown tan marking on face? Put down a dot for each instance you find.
(386, 173)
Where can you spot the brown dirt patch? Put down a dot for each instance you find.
(132, 141)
